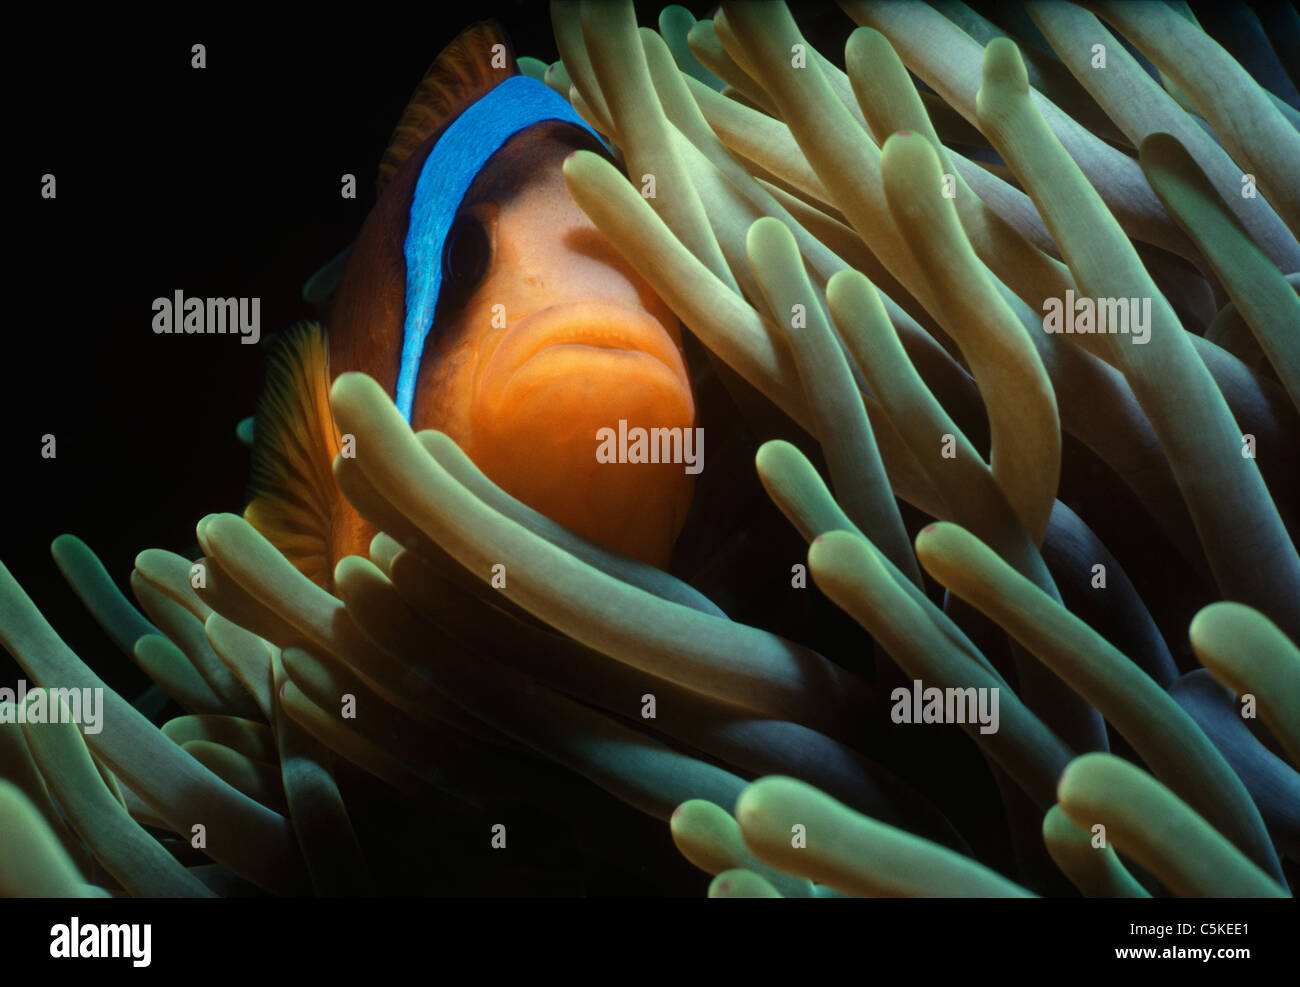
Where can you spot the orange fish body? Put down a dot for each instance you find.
(530, 337)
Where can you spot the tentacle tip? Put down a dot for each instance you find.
(1004, 66)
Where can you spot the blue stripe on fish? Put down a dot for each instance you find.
(449, 170)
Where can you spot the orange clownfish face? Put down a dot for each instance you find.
(545, 336)
(495, 311)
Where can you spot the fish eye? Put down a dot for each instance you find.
(465, 255)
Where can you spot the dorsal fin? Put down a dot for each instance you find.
(296, 502)
(462, 73)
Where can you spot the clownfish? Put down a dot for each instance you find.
(488, 305)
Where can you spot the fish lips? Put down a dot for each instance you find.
(608, 345)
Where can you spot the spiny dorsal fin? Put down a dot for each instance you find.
(462, 73)
(296, 503)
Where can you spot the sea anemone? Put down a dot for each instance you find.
(1094, 527)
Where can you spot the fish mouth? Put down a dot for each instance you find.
(602, 337)
(554, 381)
